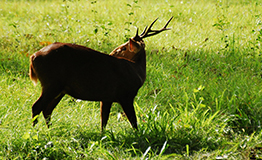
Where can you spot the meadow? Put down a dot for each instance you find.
(201, 100)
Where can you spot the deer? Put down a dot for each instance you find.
(87, 74)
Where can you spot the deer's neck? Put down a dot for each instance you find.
(140, 63)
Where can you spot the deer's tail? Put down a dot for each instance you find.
(32, 73)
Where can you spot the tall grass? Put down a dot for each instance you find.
(201, 100)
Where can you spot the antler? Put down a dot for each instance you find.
(149, 32)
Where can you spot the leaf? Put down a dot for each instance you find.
(201, 87)
(103, 27)
(34, 118)
(26, 136)
(45, 43)
(95, 30)
(35, 137)
(13, 24)
(128, 23)
(202, 105)
(187, 150)
(196, 90)
(163, 149)
(147, 150)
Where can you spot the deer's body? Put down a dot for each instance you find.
(87, 74)
(83, 73)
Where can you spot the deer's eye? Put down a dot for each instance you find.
(124, 48)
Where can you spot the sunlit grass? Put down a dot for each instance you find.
(201, 100)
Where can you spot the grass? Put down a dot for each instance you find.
(201, 100)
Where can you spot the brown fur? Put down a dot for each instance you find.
(32, 74)
(64, 68)
(83, 73)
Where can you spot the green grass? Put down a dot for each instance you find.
(202, 98)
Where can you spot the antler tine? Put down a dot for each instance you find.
(146, 33)
(168, 22)
(137, 32)
(137, 37)
(152, 23)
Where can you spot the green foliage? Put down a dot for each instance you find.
(201, 100)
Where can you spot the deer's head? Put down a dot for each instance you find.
(135, 45)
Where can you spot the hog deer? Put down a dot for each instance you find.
(83, 73)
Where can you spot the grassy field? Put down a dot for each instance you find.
(202, 98)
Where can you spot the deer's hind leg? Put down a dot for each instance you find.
(51, 106)
(105, 110)
(47, 98)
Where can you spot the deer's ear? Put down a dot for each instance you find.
(133, 46)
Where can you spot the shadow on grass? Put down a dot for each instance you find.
(181, 141)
